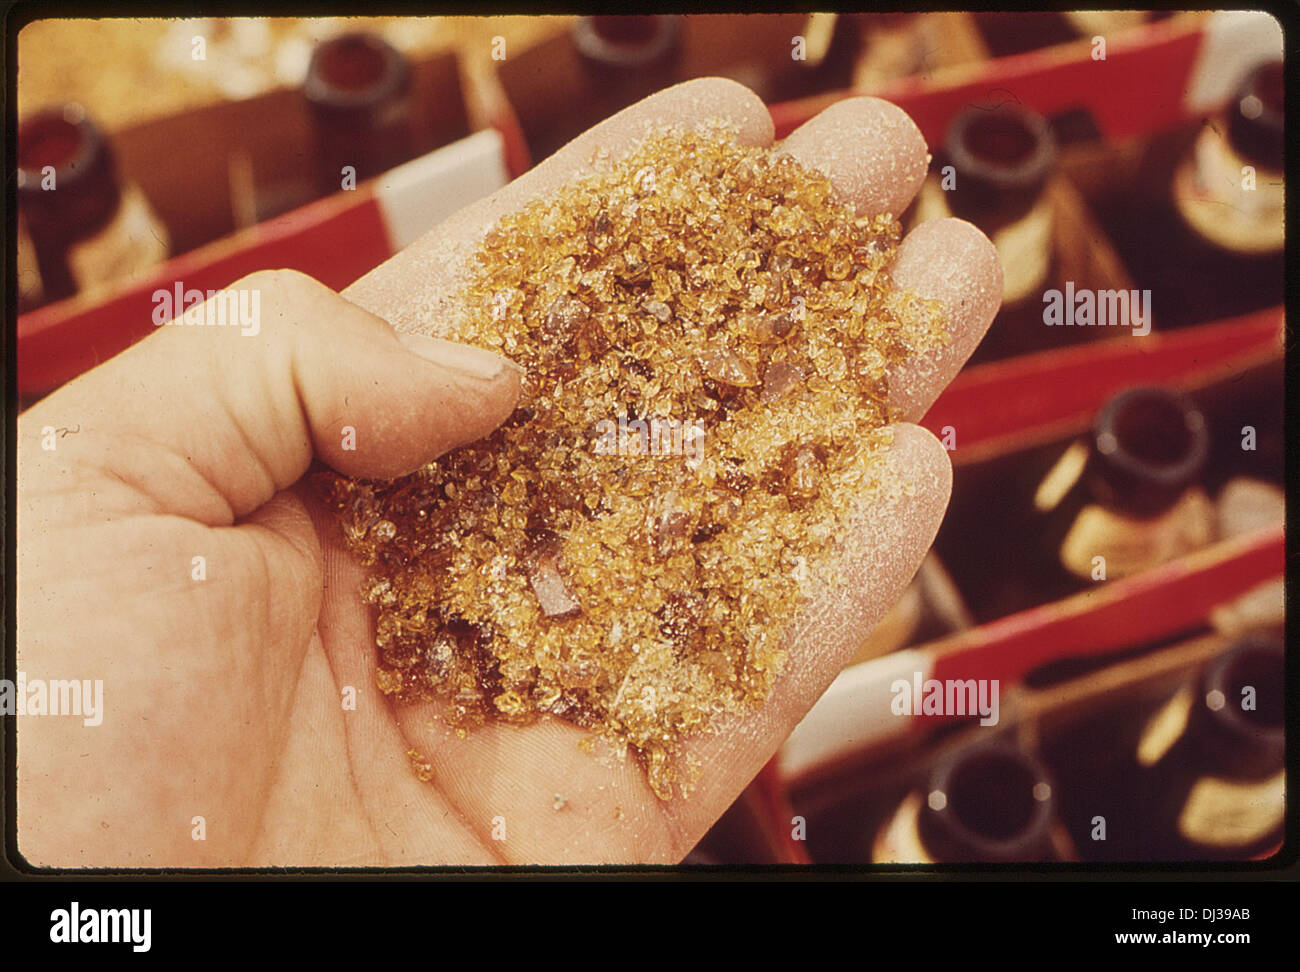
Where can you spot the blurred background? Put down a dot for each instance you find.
(1110, 569)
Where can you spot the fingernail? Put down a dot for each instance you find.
(461, 358)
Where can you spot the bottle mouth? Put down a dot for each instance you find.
(1262, 95)
(1256, 121)
(993, 801)
(1009, 147)
(355, 70)
(629, 41)
(62, 138)
(1244, 691)
(1154, 436)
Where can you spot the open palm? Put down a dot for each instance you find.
(241, 708)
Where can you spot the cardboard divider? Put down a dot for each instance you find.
(851, 723)
(1158, 60)
(273, 134)
(1010, 405)
(335, 239)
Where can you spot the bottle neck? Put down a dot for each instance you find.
(1256, 118)
(67, 190)
(358, 88)
(1002, 163)
(67, 179)
(1230, 190)
(1214, 754)
(1237, 722)
(988, 803)
(1147, 447)
(616, 46)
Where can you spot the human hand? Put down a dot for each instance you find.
(223, 697)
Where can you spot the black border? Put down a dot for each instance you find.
(13, 867)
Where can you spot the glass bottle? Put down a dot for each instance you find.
(88, 227)
(633, 53)
(1125, 497)
(984, 803)
(995, 170)
(1204, 227)
(605, 63)
(624, 59)
(1213, 755)
(358, 89)
(832, 44)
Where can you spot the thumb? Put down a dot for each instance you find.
(210, 422)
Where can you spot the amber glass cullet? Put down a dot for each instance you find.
(640, 585)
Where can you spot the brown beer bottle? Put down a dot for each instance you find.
(87, 226)
(1214, 781)
(358, 89)
(985, 803)
(1030, 30)
(625, 59)
(994, 170)
(1125, 497)
(610, 62)
(1204, 229)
